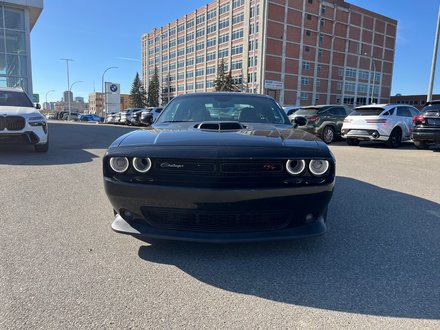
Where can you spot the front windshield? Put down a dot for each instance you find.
(14, 99)
(223, 107)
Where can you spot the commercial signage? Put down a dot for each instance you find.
(273, 84)
(112, 97)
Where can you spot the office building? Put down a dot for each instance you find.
(299, 51)
(18, 18)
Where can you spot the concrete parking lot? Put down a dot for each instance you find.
(61, 265)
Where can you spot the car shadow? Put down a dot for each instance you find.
(68, 144)
(380, 257)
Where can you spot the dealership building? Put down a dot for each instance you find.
(17, 18)
(299, 51)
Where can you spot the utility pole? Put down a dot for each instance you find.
(68, 81)
(434, 60)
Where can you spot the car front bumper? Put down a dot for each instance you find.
(218, 215)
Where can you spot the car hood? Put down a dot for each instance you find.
(19, 111)
(255, 135)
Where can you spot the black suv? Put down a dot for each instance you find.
(324, 121)
(427, 129)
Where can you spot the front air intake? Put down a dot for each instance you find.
(220, 126)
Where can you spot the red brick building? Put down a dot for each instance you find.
(299, 51)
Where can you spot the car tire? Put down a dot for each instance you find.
(42, 147)
(395, 138)
(353, 142)
(421, 145)
(328, 134)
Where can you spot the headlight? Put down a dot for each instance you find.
(119, 164)
(142, 165)
(295, 167)
(34, 118)
(318, 166)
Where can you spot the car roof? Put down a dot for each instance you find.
(320, 106)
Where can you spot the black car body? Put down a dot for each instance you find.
(427, 126)
(220, 167)
(324, 121)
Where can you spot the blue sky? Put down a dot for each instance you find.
(98, 34)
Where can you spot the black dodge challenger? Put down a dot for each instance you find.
(220, 167)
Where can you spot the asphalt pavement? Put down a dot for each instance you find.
(62, 267)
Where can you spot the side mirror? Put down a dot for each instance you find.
(299, 121)
(150, 120)
(38, 106)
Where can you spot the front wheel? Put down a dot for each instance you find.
(421, 145)
(353, 142)
(328, 134)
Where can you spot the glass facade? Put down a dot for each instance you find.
(13, 50)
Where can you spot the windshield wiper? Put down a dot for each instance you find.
(177, 121)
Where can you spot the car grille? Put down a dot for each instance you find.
(12, 123)
(216, 221)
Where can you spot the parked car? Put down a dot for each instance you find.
(125, 118)
(290, 109)
(117, 118)
(74, 116)
(109, 119)
(91, 117)
(197, 174)
(20, 121)
(150, 115)
(324, 121)
(389, 123)
(135, 118)
(427, 126)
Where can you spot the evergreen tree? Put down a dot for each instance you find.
(137, 93)
(153, 90)
(220, 81)
(166, 89)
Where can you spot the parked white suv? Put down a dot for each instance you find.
(20, 121)
(390, 123)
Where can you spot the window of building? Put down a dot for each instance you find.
(340, 72)
(181, 52)
(323, 8)
(180, 76)
(350, 73)
(309, 17)
(363, 75)
(200, 46)
(200, 72)
(164, 46)
(349, 87)
(211, 28)
(304, 96)
(252, 28)
(212, 13)
(210, 70)
(224, 23)
(223, 8)
(210, 42)
(252, 13)
(165, 57)
(200, 19)
(235, 65)
(237, 34)
(319, 67)
(321, 38)
(304, 81)
(322, 22)
(172, 31)
(190, 61)
(189, 86)
(223, 38)
(190, 36)
(189, 74)
(173, 43)
(319, 52)
(200, 59)
(306, 65)
(237, 3)
(164, 68)
(180, 64)
(307, 49)
(238, 18)
(308, 33)
(209, 83)
(318, 83)
(310, 1)
(190, 49)
(252, 61)
(252, 42)
(237, 49)
(190, 23)
(180, 40)
(172, 66)
(180, 88)
(180, 27)
(223, 52)
(200, 84)
(210, 56)
(200, 33)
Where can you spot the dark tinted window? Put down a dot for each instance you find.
(373, 111)
(403, 112)
(15, 99)
(232, 107)
(307, 111)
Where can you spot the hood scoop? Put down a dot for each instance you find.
(220, 126)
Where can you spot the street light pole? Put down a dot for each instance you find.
(374, 77)
(434, 60)
(103, 90)
(68, 81)
(52, 90)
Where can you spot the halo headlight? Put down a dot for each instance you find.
(119, 164)
(295, 167)
(318, 167)
(142, 165)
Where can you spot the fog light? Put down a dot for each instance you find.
(142, 165)
(126, 214)
(318, 166)
(309, 218)
(119, 164)
(295, 167)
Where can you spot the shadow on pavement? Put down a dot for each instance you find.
(69, 143)
(380, 257)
